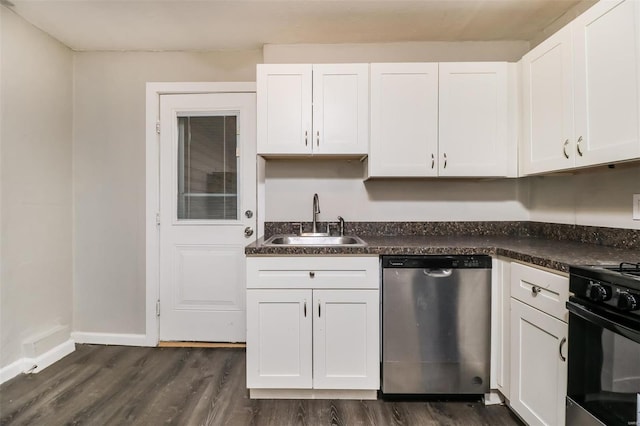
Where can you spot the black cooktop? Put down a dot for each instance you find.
(624, 274)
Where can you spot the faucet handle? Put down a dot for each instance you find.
(299, 225)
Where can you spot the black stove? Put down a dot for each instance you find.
(603, 374)
(616, 287)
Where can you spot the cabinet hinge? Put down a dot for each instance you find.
(157, 127)
(158, 219)
(158, 308)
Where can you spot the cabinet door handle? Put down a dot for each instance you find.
(305, 309)
(318, 137)
(535, 290)
(319, 312)
(562, 342)
(433, 161)
(578, 146)
(445, 160)
(306, 137)
(564, 148)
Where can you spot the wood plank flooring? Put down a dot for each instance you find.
(117, 385)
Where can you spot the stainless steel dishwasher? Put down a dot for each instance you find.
(436, 315)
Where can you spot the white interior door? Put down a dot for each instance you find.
(207, 201)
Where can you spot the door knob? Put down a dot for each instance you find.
(248, 214)
(248, 231)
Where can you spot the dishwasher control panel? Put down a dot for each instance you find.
(437, 261)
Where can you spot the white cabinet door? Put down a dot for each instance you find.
(538, 365)
(607, 82)
(346, 345)
(279, 339)
(404, 120)
(473, 122)
(284, 109)
(547, 106)
(341, 109)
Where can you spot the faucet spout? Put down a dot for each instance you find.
(316, 210)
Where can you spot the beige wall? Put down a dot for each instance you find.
(432, 51)
(290, 185)
(596, 197)
(109, 174)
(36, 116)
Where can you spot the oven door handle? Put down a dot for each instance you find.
(603, 321)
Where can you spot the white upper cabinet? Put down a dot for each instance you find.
(448, 119)
(284, 109)
(313, 109)
(473, 122)
(404, 120)
(547, 106)
(581, 92)
(606, 43)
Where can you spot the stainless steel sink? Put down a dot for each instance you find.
(314, 240)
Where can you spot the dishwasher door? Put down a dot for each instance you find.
(436, 330)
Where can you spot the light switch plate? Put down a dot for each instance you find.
(636, 206)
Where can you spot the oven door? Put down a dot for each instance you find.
(603, 383)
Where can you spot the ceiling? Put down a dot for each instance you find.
(243, 24)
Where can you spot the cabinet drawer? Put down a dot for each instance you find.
(313, 272)
(541, 289)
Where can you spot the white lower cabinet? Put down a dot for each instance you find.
(309, 338)
(538, 366)
(538, 374)
(279, 339)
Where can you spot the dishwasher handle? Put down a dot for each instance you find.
(438, 272)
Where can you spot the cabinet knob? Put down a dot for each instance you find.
(535, 290)
(312, 274)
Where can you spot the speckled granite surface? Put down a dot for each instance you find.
(614, 237)
(547, 249)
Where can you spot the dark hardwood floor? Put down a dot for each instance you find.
(116, 385)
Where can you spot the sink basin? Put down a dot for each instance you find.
(314, 240)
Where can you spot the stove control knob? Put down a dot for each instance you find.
(599, 293)
(627, 302)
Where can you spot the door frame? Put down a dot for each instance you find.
(152, 191)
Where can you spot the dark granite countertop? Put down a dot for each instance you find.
(545, 252)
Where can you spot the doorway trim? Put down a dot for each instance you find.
(152, 191)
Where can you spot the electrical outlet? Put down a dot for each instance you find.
(636, 206)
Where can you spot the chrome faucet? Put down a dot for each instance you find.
(341, 226)
(316, 210)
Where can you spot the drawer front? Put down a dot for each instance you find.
(313, 272)
(541, 289)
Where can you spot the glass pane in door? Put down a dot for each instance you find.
(207, 167)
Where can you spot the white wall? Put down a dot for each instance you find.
(36, 122)
(290, 185)
(595, 197)
(109, 174)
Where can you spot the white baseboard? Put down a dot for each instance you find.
(312, 394)
(37, 364)
(11, 370)
(112, 339)
(493, 397)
